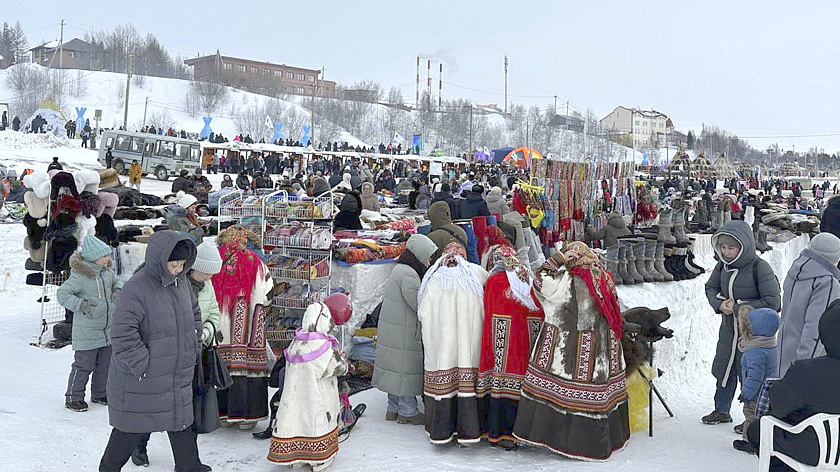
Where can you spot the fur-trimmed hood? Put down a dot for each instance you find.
(757, 322)
(83, 267)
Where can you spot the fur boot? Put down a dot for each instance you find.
(631, 261)
(659, 262)
(650, 257)
(665, 225)
(678, 222)
(639, 254)
(612, 264)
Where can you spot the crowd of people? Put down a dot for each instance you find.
(479, 321)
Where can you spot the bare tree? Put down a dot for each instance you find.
(79, 84)
(207, 96)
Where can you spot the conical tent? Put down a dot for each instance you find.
(702, 168)
(724, 168)
(680, 163)
(54, 119)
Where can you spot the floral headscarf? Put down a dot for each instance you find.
(505, 259)
(580, 260)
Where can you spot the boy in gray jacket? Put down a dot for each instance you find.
(90, 293)
(740, 278)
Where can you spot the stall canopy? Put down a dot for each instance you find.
(498, 155)
(523, 156)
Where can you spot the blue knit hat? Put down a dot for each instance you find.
(93, 248)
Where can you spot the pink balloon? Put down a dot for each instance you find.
(340, 307)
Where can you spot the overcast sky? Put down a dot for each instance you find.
(766, 70)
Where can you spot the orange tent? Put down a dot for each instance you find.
(523, 155)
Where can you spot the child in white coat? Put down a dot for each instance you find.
(310, 406)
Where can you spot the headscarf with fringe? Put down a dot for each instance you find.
(521, 280)
(580, 260)
(240, 266)
(452, 268)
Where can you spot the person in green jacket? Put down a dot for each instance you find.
(207, 263)
(90, 293)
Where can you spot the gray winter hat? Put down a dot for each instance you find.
(207, 259)
(828, 246)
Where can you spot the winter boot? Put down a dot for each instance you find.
(668, 253)
(688, 266)
(77, 406)
(678, 222)
(639, 253)
(715, 219)
(274, 404)
(659, 262)
(626, 278)
(650, 257)
(761, 240)
(716, 417)
(690, 259)
(665, 224)
(139, 457)
(612, 264)
(681, 252)
(631, 262)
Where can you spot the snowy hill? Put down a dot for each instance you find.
(167, 102)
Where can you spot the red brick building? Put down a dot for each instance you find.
(258, 76)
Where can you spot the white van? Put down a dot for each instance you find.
(159, 155)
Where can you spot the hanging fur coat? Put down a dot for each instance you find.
(451, 313)
(512, 321)
(574, 400)
(307, 428)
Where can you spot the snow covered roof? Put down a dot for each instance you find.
(74, 44)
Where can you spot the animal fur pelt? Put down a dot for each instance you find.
(90, 203)
(63, 180)
(87, 181)
(641, 326)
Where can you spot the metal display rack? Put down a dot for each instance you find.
(51, 311)
(301, 258)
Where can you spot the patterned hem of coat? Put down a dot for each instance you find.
(303, 450)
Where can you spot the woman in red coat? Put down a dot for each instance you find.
(512, 321)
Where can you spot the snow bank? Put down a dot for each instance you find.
(686, 359)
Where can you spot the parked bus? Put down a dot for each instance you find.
(159, 155)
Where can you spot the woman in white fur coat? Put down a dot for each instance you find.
(451, 312)
(306, 432)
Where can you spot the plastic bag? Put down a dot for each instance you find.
(637, 398)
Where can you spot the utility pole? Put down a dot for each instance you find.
(127, 90)
(506, 96)
(471, 128)
(312, 115)
(61, 46)
(145, 107)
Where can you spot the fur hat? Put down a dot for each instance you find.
(37, 207)
(108, 202)
(34, 229)
(86, 225)
(35, 253)
(90, 203)
(87, 181)
(60, 180)
(828, 246)
(207, 259)
(39, 182)
(185, 199)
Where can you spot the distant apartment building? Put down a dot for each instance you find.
(74, 54)
(642, 126)
(574, 123)
(257, 76)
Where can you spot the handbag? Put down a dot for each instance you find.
(205, 404)
(216, 373)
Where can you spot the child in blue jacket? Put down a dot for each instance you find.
(759, 358)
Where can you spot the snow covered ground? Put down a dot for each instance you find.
(40, 434)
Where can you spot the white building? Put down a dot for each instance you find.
(645, 126)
